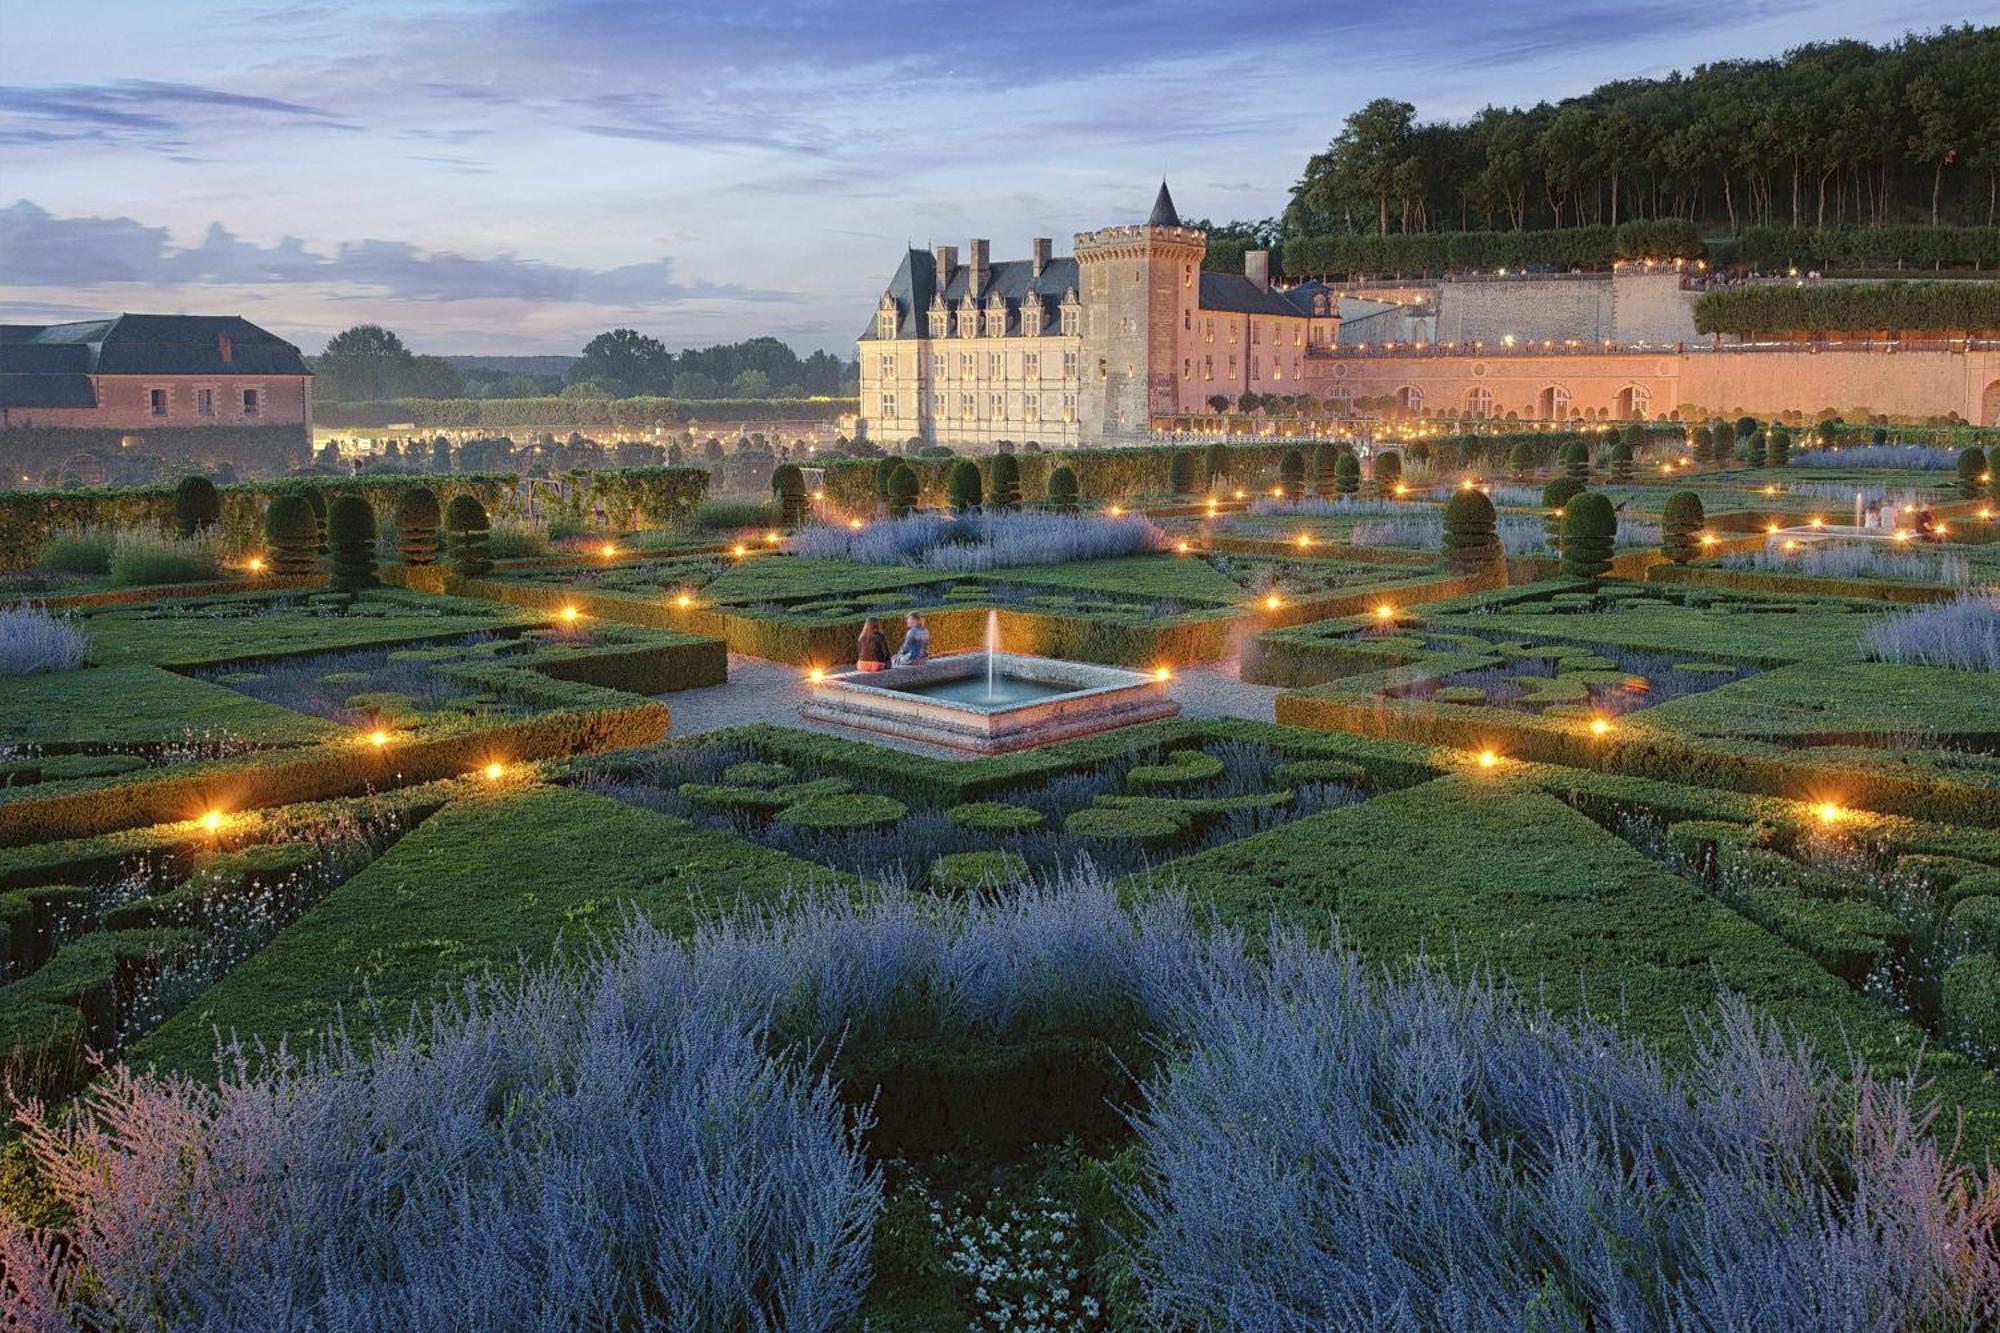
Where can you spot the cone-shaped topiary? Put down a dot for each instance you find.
(1621, 461)
(902, 490)
(317, 499)
(197, 505)
(963, 488)
(885, 468)
(1006, 488)
(1182, 475)
(1215, 463)
(1590, 527)
(1326, 457)
(350, 531)
(1347, 474)
(1063, 489)
(292, 533)
(1754, 448)
(1576, 460)
(1681, 523)
(1972, 472)
(417, 522)
(1292, 475)
(1721, 443)
(466, 533)
(1554, 496)
(1521, 460)
(1777, 447)
(788, 485)
(1388, 471)
(1471, 533)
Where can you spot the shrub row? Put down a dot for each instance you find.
(1776, 248)
(78, 1001)
(1907, 307)
(1465, 251)
(561, 414)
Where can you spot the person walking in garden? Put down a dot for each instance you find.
(871, 652)
(916, 642)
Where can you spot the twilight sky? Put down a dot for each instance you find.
(506, 176)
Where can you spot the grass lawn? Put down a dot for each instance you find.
(132, 703)
(766, 578)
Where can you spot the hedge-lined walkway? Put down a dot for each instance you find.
(760, 690)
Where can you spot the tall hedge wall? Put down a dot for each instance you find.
(571, 413)
(1867, 247)
(1935, 307)
(1461, 251)
(253, 450)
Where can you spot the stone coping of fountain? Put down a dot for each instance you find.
(1103, 697)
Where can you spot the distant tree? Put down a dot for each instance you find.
(624, 361)
(1777, 446)
(1218, 402)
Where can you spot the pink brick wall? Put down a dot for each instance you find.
(123, 403)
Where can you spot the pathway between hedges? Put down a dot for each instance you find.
(760, 690)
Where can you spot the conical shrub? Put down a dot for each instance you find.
(1590, 531)
(350, 532)
(292, 534)
(417, 522)
(1681, 523)
(467, 532)
(1471, 533)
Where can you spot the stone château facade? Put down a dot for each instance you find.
(1083, 349)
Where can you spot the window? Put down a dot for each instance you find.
(156, 399)
(251, 403)
(1031, 318)
(1069, 407)
(937, 365)
(1208, 367)
(1069, 321)
(885, 324)
(967, 406)
(1031, 409)
(1187, 320)
(1554, 403)
(1187, 367)
(1410, 398)
(1187, 275)
(1069, 365)
(204, 402)
(1031, 365)
(996, 324)
(940, 323)
(1255, 336)
(1253, 367)
(1277, 369)
(937, 404)
(1479, 401)
(1232, 365)
(887, 365)
(1103, 371)
(996, 365)
(888, 405)
(965, 364)
(1208, 330)
(996, 405)
(1298, 336)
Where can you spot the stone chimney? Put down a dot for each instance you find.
(976, 265)
(1257, 268)
(947, 265)
(1043, 248)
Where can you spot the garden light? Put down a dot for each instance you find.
(1272, 603)
(1599, 727)
(739, 550)
(1304, 541)
(378, 738)
(494, 771)
(1817, 521)
(1708, 539)
(1116, 511)
(1942, 530)
(569, 614)
(1901, 534)
(816, 675)
(771, 538)
(1182, 548)
(1242, 495)
(607, 550)
(1162, 673)
(1488, 759)
(255, 564)
(1401, 489)
(1829, 813)
(212, 820)
(1385, 612)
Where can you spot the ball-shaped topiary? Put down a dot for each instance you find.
(292, 533)
(1183, 472)
(963, 488)
(1521, 460)
(1347, 474)
(1292, 475)
(788, 485)
(1681, 522)
(885, 468)
(1471, 533)
(1576, 460)
(1621, 461)
(1388, 472)
(467, 532)
(1554, 496)
(1747, 426)
(197, 505)
(1325, 459)
(417, 521)
(350, 531)
(1777, 447)
(1063, 489)
(1972, 472)
(1590, 530)
(902, 490)
(1006, 488)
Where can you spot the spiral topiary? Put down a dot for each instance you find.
(1754, 447)
(317, 500)
(1681, 523)
(1388, 472)
(1521, 460)
(962, 486)
(350, 531)
(1347, 474)
(417, 521)
(1063, 489)
(1471, 533)
(197, 505)
(1325, 460)
(1006, 488)
(292, 534)
(902, 490)
(1621, 461)
(1576, 460)
(1590, 529)
(1292, 475)
(467, 532)
(1554, 496)
(885, 468)
(788, 484)
(1972, 472)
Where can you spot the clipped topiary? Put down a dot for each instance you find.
(850, 813)
(1063, 489)
(1183, 473)
(885, 468)
(1590, 529)
(1347, 474)
(350, 531)
(292, 534)
(1754, 448)
(963, 489)
(1388, 471)
(1554, 496)
(968, 872)
(994, 817)
(1471, 533)
(417, 521)
(467, 532)
(1576, 461)
(317, 499)
(1721, 443)
(1144, 828)
(1292, 475)
(1006, 489)
(1681, 523)
(1215, 463)
(1325, 463)
(754, 773)
(1181, 768)
(1972, 472)
(902, 490)
(1993, 470)
(1969, 1008)
(1521, 460)
(788, 485)
(1777, 447)
(197, 505)
(1621, 461)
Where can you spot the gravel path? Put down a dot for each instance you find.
(759, 690)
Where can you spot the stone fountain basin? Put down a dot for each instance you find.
(1091, 698)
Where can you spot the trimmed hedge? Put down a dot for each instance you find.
(1590, 528)
(995, 817)
(967, 872)
(1180, 768)
(1892, 307)
(1462, 251)
(77, 1002)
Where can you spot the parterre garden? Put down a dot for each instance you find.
(401, 919)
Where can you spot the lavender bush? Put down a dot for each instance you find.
(1913, 457)
(1963, 635)
(1847, 560)
(975, 543)
(1318, 507)
(32, 641)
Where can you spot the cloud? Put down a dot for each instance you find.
(38, 249)
(138, 112)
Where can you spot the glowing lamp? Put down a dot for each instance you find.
(1772, 529)
(1304, 541)
(1770, 490)
(1829, 813)
(1401, 489)
(819, 497)
(1791, 546)
(255, 564)
(1599, 727)
(1116, 511)
(739, 550)
(569, 614)
(1272, 603)
(378, 738)
(1488, 759)
(683, 601)
(1901, 534)
(816, 675)
(854, 524)
(1817, 521)
(1181, 548)
(1242, 495)
(212, 820)
(494, 771)
(607, 550)
(1162, 673)
(771, 538)
(1708, 539)
(1385, 612)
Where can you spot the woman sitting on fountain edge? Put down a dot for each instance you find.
(916, 642)
(871, 651)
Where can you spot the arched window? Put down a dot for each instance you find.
(1553, 405)
(1479, 401)
(1634, 401)
(1410, 399)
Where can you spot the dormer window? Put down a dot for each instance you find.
(1070, 313)
(940, 323)
(1031, 318)
(885, 319)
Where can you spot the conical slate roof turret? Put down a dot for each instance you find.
(1164, 213)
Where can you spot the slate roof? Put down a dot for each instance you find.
(147, 345)
(47, 390)
(916, 284)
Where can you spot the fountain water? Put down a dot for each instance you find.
(992, 650)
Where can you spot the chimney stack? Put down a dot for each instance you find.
(975, 265)
(947, 265)
(1257, 268)
(1043, 249)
